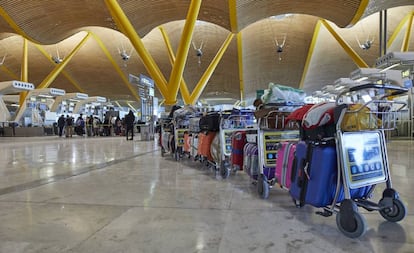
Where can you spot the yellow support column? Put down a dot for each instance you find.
(24, 75)
(59, 67)
(358, 14)
(398, 29)
(132, 89)
(210, 69)
(14, 26)
(9, 72)
(240, 60)
(348, 49)
(182, 52)
(126, 27)
(233, 16)
(183, 86)
(407, 35)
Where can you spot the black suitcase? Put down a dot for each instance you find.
(210, 122)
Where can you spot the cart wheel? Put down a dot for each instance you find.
(352, 225)
(235, 168)
(297, 203)
(263, 186)
(224, 171)
(395, 213)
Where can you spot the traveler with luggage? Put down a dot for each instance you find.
(129, 122)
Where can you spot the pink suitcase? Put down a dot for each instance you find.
(284, 164)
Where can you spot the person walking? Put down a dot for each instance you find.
(129, 122)
(61, 124)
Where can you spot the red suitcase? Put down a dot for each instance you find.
(284, 164)
(238, 141)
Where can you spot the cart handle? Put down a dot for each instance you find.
(400, 103)
(395, 90)
(235, 119)
(259, 121)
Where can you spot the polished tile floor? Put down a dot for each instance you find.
(112, 195)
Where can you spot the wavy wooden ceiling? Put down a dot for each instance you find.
(59, 24)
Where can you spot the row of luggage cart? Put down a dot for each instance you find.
(329, 155)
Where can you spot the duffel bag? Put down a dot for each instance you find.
(210, 122)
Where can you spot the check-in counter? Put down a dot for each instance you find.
(24, 131)
(147, 132)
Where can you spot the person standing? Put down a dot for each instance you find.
(113, 125)
(89, 125)
(61, 124)
(69, 126)
(80, 125)
(129, 122)
(96, 124)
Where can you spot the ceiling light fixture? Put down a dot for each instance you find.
(198, 51)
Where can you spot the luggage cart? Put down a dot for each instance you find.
(194, 129)
(269, 141)
(362, 161)
(229, 126)
(180, 128)
(166, 136)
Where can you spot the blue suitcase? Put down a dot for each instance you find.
(314, 182)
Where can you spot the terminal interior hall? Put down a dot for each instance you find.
(106, 107)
